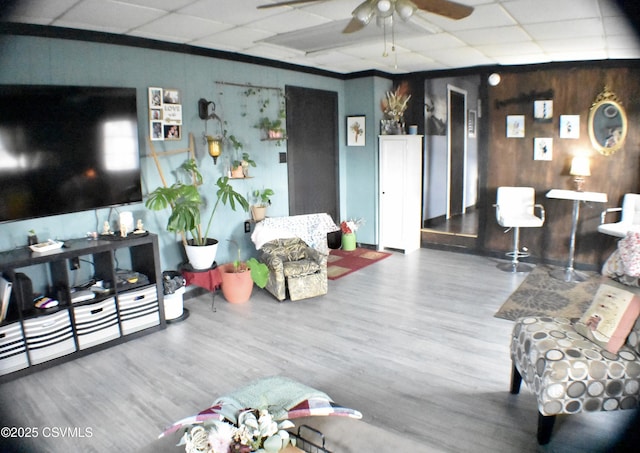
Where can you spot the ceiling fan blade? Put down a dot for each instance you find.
(288, 3)
(353, 26)
(445, 8)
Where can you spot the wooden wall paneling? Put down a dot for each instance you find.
(511, 162)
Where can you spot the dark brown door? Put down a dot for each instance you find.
(312, 151)
(457, 133)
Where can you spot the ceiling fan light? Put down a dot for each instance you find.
(405, 9)
(364, 12)
(384, 6)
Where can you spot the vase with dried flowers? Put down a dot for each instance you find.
(393, 106)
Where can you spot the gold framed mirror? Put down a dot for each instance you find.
(607, 123)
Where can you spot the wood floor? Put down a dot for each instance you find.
(410, 341)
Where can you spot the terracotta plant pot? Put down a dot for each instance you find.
(258, 212)
(237, 172)
(236, 286)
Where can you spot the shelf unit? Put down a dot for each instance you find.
(31, 338)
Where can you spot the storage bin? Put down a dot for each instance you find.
(139, 309)
(13, 350)
(96, 323)
(49, 337)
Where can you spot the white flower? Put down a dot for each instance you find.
(220, 437)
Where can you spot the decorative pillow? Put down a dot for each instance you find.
(609, 319)
(614, 269)
(629, 248)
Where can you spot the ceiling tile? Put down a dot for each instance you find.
(187, 28)
(107, 15)
(541, 11)
(496, 35)
(237, 38)
(39, 12)
(560, 30)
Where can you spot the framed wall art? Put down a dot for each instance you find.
(515, 126)
(471, 123)
(543, 148)
(356, 130)
(165, 114)
(569, 126)
(543, 111)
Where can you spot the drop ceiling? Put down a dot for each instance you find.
(498, 32)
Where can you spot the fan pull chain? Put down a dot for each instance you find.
(384, 29)
(393, 44)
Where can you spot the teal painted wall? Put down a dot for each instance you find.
(360, 163)
(34, 60)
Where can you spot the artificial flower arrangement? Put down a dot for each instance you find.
(395, 103)
(351, 226)
(244, 431)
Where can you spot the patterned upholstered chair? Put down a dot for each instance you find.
(294, 267)
(570, 374)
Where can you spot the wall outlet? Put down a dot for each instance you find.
(74, 263)
(247, 226)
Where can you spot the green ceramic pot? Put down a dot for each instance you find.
(349, 242)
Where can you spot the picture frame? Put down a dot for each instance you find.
(515, 126)
(543, 111)
(356, 128)
(155, 97)
(165, 114)
(543, 148)
(570, 126)
(471, 123)
(172, 132)
(171, 96)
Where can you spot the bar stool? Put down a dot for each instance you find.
(515, 208)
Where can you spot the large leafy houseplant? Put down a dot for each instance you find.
(186, 203)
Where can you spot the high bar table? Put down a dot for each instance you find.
(569, 274)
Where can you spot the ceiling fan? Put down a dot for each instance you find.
(383, 10)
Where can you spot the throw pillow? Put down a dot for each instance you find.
(609, 319)
(614, 269)
(629, 248)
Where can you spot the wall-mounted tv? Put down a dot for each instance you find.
(67, 149)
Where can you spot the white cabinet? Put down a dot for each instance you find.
(400, 197)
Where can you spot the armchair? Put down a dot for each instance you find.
(294, 267)
(629, 217)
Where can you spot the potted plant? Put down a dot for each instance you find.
(238, 278)
(186, 202)
(272, 129)
(237, 169)
(240, 167)
(261, 201)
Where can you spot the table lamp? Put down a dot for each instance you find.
(579, 169)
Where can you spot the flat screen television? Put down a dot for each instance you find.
(67, 149)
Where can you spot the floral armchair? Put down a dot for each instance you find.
(294, 267)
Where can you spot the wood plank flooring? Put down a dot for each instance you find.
(410, 341)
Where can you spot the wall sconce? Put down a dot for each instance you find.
(214, 146)
(579, 170)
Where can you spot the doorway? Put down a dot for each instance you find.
(312, 151)
(456, 151)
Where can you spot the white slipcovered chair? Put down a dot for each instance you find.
(515, 209)
(629, 217)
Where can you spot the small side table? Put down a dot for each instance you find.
(569, 274)
(208, 279)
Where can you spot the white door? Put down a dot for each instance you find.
(392, 170)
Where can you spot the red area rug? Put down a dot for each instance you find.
(341, 263)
